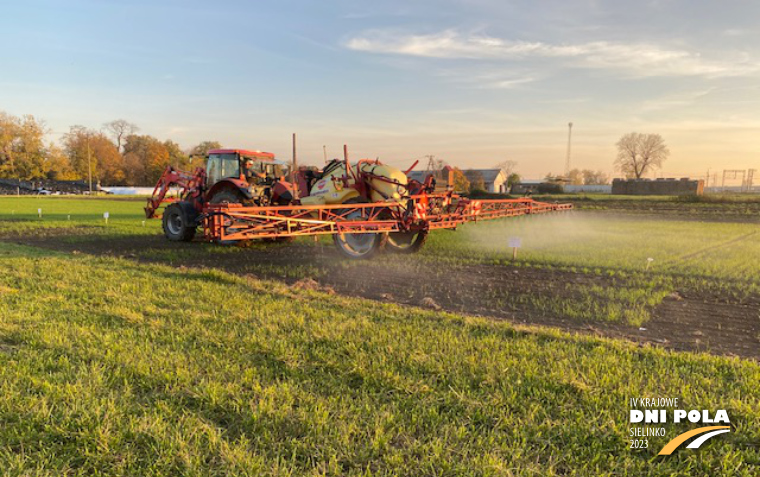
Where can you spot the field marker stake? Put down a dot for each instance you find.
(649, 262)
(105, 216)
(39, 213)
(515, 243)
(143, 223)
(68, 217)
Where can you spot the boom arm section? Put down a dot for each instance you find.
(191, 185)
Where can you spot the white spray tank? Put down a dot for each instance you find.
(330, 188)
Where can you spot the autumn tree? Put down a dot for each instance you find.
(461, 184)
(120, 129)
(203, 148)
(57, 165)
(145, 159)
(93, 152)
(199, 152)
(177, 157)
(638, 154)
(513, 179)
(23, 153)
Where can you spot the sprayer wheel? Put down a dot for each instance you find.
(359, 246)
(406, 242)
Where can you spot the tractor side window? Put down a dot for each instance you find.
(213, 169)
(222, 166)
(230, 166)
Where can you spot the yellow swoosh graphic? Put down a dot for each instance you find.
(680, 439)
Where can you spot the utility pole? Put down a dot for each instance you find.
(750, 179)
(567, 159)
(89, 163)
(294, 167)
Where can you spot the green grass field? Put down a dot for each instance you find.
(111, 366)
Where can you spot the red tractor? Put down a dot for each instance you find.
(365, 206)
(233, 176)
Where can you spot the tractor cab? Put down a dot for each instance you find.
(245, 177)
(254, 167)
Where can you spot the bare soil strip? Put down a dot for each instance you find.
(714, 324)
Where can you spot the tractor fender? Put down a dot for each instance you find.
(230, 183)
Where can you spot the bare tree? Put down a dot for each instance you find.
(639, 153)
(574, 177)
(507, 166)
(119, 129)
(594, 177)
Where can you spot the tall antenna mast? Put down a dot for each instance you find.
(567, 159)
(431, 163)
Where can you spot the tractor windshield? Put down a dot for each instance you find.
(222, 166)
(263, 168)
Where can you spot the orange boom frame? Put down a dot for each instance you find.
(233, 222)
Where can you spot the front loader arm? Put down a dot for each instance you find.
(192, 185)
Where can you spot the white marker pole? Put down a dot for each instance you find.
(39, 213)
(649, 262)
(515, 243)
(105, 216)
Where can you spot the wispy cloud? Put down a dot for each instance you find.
(676, 100)
(490, 78)
(637, 59)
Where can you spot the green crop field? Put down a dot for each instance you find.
(133, 363)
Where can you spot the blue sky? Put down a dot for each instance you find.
(473, 82)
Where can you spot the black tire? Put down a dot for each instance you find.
(359, 246)
(179, 222)
(230, 196)
(406, 242)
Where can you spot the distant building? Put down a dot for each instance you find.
(494, 180)
(683, 186)
(526, 187)
(444, 178)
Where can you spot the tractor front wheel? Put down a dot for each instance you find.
(179, 222)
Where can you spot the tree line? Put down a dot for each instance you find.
(114, 155)
(118, 155)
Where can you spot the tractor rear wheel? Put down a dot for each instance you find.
(179, 222)
(359, 246)
(406, 242)
(230, 196)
